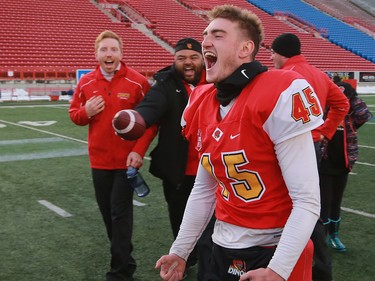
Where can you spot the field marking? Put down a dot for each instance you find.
(139, 204)
(60, 106)
(349, 210)
(366, 146)
(365, 164)
(55, 209)
(43, 131)
(44, 155)
(28, 141)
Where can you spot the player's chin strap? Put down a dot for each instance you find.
(232, 86)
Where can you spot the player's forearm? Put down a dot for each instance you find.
(198, 212)
(298, 164)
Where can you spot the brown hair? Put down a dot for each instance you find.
(248, 22)
(107, 34)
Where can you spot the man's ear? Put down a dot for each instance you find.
(247, 49)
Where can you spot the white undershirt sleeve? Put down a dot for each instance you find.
(198, 212)
(299, 168)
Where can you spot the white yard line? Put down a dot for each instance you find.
(61, 106)
(34, 140)
(43, 131)
(366, 146)
(364, 214)
(365, 164)
(55, 209)
(44, 155)
(139, 204)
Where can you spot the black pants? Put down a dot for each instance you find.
(230, 264)
(322, 261)
(176, 197)
(115, 200)
(331, 193)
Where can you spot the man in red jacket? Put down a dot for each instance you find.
(286, 54)
(99, 95)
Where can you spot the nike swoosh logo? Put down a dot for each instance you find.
(244, 74)
(233, 136)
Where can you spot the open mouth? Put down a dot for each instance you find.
(210, 59)
(189, 71)
(109, 62)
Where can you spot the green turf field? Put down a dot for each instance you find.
(43, 159)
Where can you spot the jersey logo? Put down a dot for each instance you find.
(244, 74)
(217, 134)
(233, 136)
(237, 268)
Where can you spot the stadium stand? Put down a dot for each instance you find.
(348, 12)
(170, 19)
(45, 40)
(338, 32)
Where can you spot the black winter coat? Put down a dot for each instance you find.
(164, 105)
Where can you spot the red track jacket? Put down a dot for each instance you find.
(127, 88)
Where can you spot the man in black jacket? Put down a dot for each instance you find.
(173, 160)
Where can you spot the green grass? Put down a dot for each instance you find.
(37, 244)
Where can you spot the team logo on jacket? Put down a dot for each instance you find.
(198, 147)
(217, 134)
(123, 96)
(237, 268)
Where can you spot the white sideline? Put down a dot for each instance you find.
(43, 131)
(364, 214)
(55, 209)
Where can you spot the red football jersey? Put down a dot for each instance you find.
(238, 150)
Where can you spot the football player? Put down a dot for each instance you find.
(258, 171)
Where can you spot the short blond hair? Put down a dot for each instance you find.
(107, 34)
(249, 22)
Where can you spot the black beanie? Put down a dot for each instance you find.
(188, 44)
(287, 45)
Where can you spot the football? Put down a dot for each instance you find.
(129, 124)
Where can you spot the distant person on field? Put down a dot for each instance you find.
(338, 161)
(286, 54)
(174, 160)
(99, 95)
(257, 168)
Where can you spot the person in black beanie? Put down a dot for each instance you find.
(286, 54)
(174, 160)
(287, 45)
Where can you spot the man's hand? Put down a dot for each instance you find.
(172, 267)
(134, 159)
(94, 105)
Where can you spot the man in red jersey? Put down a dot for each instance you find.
(99, 95)
(286, 54)
(257, 168)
